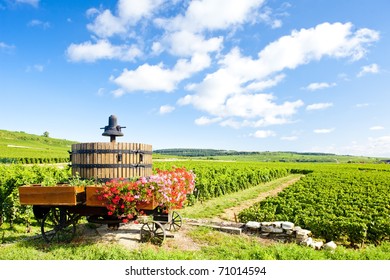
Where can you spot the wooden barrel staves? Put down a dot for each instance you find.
(107, 161)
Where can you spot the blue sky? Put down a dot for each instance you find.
(249, 75)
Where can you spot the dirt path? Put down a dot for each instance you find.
(230, 213)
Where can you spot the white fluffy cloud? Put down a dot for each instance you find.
(158, 78)
(185, 43)
(5, 47)
(34, 3)
(107, 24)
(369, 69)
(318, 106)
(303, 46)
(377, 127)
(289, 138)
(213, 15)
(166, 109)
(129, 12)
(268, 17)
(35, 68)
(102, 49)
(39, 23)
(206, 121)
(318, 86)
(229, 91)
(263, 133)
(378, 146)
(323, 130)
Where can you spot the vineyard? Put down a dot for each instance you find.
(348, 203)
(342, 203)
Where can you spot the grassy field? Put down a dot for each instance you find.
(23, 145)
(213, 246)
(299, 157)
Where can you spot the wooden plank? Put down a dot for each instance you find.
(132, 156)
(92, 196)
(99, 160)
(141, 161)
(82, 160)
(119, 163)
(111, 160)
(128, 170)
(87, 156)
(150, 205)
(115, 161)
(125, 160)
(94, 160)
(135, 159)
(53, 195)
(105, 173)
(85, 160)
(138, 160)
(89, 161)
(74, 159)
(78, 159)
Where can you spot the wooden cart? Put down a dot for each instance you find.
(59, 208)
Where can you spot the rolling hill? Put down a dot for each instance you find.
(18, 146)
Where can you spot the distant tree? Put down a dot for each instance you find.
(45, 134)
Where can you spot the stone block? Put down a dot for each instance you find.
(317, 245)
(271, 229)
(330, 246)
(253, 225)
(302, 232)
(287, 225)
(307, 242)
(277, 224)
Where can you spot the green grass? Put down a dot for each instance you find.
(213, 246)
(17, 232)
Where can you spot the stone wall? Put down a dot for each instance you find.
(286, 232)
